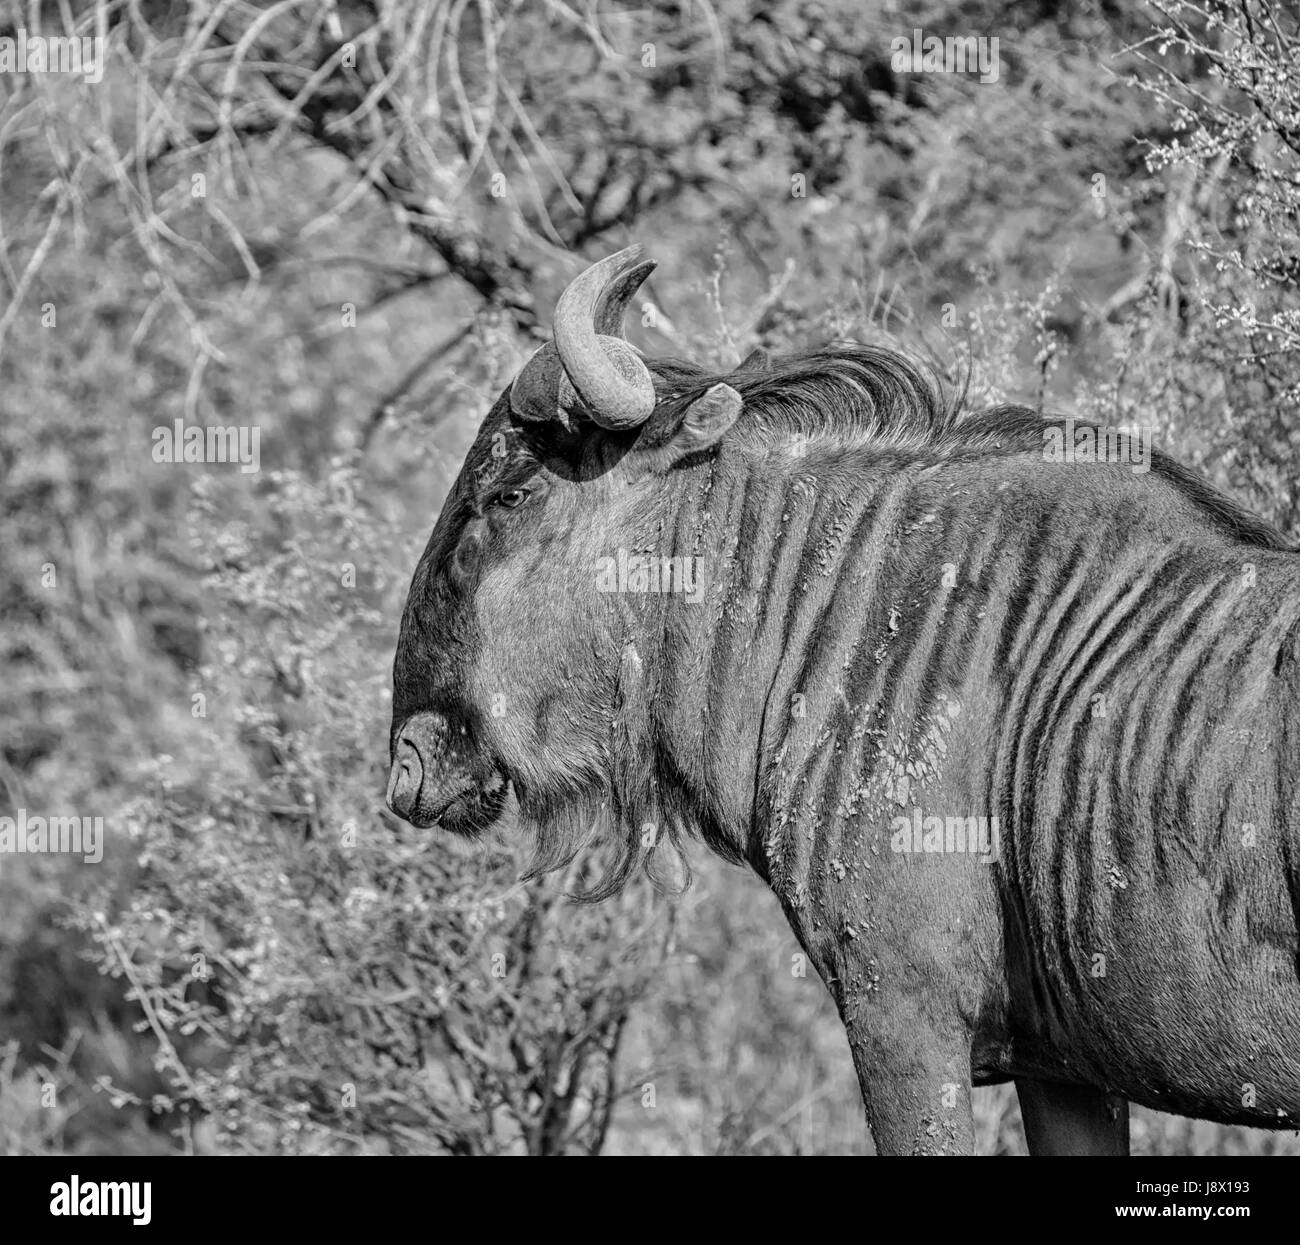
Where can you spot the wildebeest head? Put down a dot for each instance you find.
(515, 665)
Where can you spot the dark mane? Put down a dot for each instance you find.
(848, 391)
(858, 394)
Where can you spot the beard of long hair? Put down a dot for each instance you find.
(623, 807)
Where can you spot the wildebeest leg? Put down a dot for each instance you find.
(916, 1087)
(1071, 1119)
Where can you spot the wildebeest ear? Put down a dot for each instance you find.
(704, 422)
(757, 360)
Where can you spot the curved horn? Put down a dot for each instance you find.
(611, 380)
(611, 307)
(535, 395)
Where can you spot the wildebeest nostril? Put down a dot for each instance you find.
(404, 778)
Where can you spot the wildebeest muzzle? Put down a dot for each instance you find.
(436, 780)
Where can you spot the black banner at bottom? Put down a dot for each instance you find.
(92, 1195)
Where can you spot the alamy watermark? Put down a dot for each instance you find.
(24, 53)
(637, 572)
(69, 836)
(1068, 442)
(924, 53)
(949, 836)
(122, 1198)
(175, 443)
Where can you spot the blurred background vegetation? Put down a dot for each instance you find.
(345, 224)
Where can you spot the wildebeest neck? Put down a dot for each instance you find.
(798, 558)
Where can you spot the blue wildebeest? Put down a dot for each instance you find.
(1011, 738)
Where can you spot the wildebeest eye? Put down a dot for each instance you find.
(512, 498)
